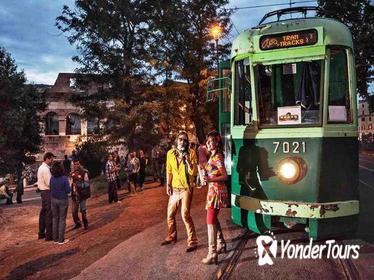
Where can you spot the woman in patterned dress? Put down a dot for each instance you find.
(217, 196)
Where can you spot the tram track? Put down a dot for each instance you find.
(349, 268)
(346, 266)
(225, 272)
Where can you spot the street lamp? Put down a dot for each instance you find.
(216, 31)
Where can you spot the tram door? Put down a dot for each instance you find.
(221, 88)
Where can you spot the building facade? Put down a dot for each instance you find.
(63, 125)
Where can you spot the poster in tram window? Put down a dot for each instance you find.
(289, 115)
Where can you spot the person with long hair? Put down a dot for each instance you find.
(217, 196)
(60, 189)
(181, 168)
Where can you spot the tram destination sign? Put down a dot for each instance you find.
(289, 39)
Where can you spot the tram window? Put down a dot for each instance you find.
(226, 91)
(339, 99)
(243, 98)
(295, 86)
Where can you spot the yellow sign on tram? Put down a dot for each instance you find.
(289, 39)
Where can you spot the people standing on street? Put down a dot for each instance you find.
(203, 155)
(80, 193)
(155, 154)
(74, 155)
(67, 165)
(60, 189)
(19, 182)
(117, 161)
(162, 164)
(45, 215)
(111, 176)
(181, 167)
(4, 191)
(217, 196)
(142, 165)
(133, 169)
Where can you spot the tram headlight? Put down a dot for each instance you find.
(291, 170)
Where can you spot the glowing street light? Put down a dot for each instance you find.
(216, 32)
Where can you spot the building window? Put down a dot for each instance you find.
(363, 119)
(51, 124)
(363, 127)
(369, 119)
(93, 125)
(73, 124)
(370, 127)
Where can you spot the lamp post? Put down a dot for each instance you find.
(216, 32)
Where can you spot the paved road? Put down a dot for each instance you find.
(140, 259)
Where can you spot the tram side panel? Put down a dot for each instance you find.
(254, 180)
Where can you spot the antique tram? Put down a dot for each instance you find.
(288, 115)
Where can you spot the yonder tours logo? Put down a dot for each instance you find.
(267, 249)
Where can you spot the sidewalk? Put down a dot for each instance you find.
(142, 257)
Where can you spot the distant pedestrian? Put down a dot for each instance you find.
(162, 164)
(117, 162)
(45, 215)
(111, 176)
(60, 189)
(4, 191)
(133, 167)
(181, 167)
(80, 193)
(74, 155)
(67, 165)
(155, 154)
(142, 165)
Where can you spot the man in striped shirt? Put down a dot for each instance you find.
(111, 176)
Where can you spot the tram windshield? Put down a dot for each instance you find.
(289, 94)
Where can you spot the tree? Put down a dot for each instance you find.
(19, 107)
(112, 39)
(182, 44)
(358, 15)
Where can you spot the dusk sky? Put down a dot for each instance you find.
(29, 34)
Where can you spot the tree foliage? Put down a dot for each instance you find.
(358, 15)
(134, 45)
(183, 44)
(20, 103)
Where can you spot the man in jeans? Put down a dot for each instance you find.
(181, 167)
(80, 193)
(111, 176)
(45, 215)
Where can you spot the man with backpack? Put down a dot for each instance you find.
(80, 193)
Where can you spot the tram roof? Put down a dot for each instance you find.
(334, 33)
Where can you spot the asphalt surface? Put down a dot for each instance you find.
(142, 257)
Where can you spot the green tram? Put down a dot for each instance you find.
(288, 115)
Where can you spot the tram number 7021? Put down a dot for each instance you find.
(290, 147)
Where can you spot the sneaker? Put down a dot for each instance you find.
(63, 242)
(119, 202)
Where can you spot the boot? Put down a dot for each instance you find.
(212, 256)
(221, 243)
(85, 221)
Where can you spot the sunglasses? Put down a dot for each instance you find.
(183, 139)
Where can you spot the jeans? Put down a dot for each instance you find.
(45, 215)
(78, 205)
(112, 191)
(59, 212)
(183, 198)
